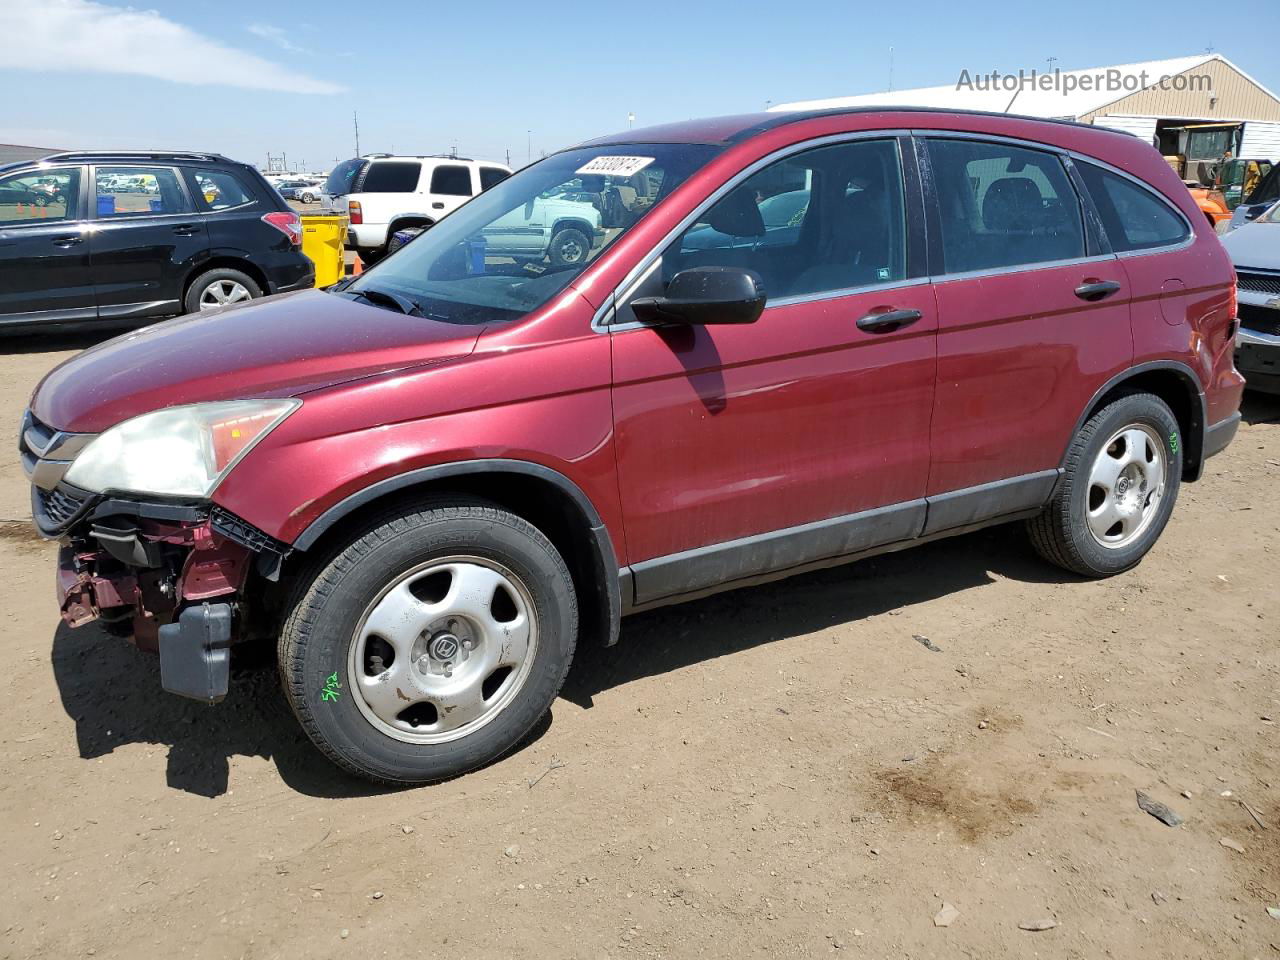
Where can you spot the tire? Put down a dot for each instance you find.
(330, 649)
(1125, 465)
(220, 287)
(569, 247)
(371, 255)
(307, 198)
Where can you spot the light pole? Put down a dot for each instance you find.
(528, 147)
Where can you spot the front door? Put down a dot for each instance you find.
(44, 248)
(1033, 317)
(748, 449)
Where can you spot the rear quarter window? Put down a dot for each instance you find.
(390, 176)
(1135, 218)
(491, 177)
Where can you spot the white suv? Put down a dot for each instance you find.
(382, 194)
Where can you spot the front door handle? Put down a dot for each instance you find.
(1093, 290)
(437, 205)
(65, 242)
(186, 230)
(888, 321)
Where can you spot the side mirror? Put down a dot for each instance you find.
(702, 296)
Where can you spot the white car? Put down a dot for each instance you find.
(556, 227)
(381, 194)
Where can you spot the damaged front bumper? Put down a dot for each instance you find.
(184, 578)
(171, 576)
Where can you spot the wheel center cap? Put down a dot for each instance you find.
(1122, 486)
(444, 646)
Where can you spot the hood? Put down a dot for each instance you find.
(1254, 245)
(277, 347)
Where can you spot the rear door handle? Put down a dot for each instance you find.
(437, 205)
(1092, 290)
(888, 321)
(67, 241)
(186, 230)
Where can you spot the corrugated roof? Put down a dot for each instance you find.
(12, 152)
(1025, 100)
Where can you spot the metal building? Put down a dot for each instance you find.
(1194, 108)
(13, 152)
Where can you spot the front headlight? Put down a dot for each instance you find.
(179, 451)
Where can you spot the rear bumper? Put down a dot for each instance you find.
(1219, 435)
(288, 271)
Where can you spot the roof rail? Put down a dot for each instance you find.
(137, 155)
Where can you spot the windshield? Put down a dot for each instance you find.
(511, 249)
(342, 176)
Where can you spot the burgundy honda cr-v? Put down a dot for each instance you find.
(797, 339)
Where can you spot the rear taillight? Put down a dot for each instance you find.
(354, 212)
(287, 223)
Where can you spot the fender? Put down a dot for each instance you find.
(1194, 460)
(602, 565)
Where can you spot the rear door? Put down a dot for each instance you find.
(802, 436)
(147, 239)
(451, 186)
(45, 275)
(1033, 314)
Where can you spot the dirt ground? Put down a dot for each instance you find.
(778, 772)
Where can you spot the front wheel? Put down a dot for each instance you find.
(430, 644)
(569, 247)
(1118, 490)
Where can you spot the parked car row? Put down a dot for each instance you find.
(795, 339)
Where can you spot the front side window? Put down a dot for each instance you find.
(1134, 217)
(518, 244)
(220, 190)
(452, 181)
(828, 219)
(39, 195)
(1003, 206)
(390, 176)
(138, 191)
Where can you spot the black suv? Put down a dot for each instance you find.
(109, 236)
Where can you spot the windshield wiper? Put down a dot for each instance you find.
(387, 299)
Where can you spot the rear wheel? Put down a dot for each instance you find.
(431, 643)
(1118, 490)
(219, 288)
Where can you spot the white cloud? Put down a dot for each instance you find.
(276, 35)
(88, 36)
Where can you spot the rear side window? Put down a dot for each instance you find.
(391, 176)
(1003, 206)
(138, 191)
(491, 177)
(451, 181)
(220, 190)
(1134, 217)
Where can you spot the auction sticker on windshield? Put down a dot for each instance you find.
(616, 166)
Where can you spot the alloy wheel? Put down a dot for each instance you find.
(1126, 485)
(222, 292)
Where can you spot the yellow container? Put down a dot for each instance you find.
(323, 239)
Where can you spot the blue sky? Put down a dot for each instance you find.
(245, 78)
